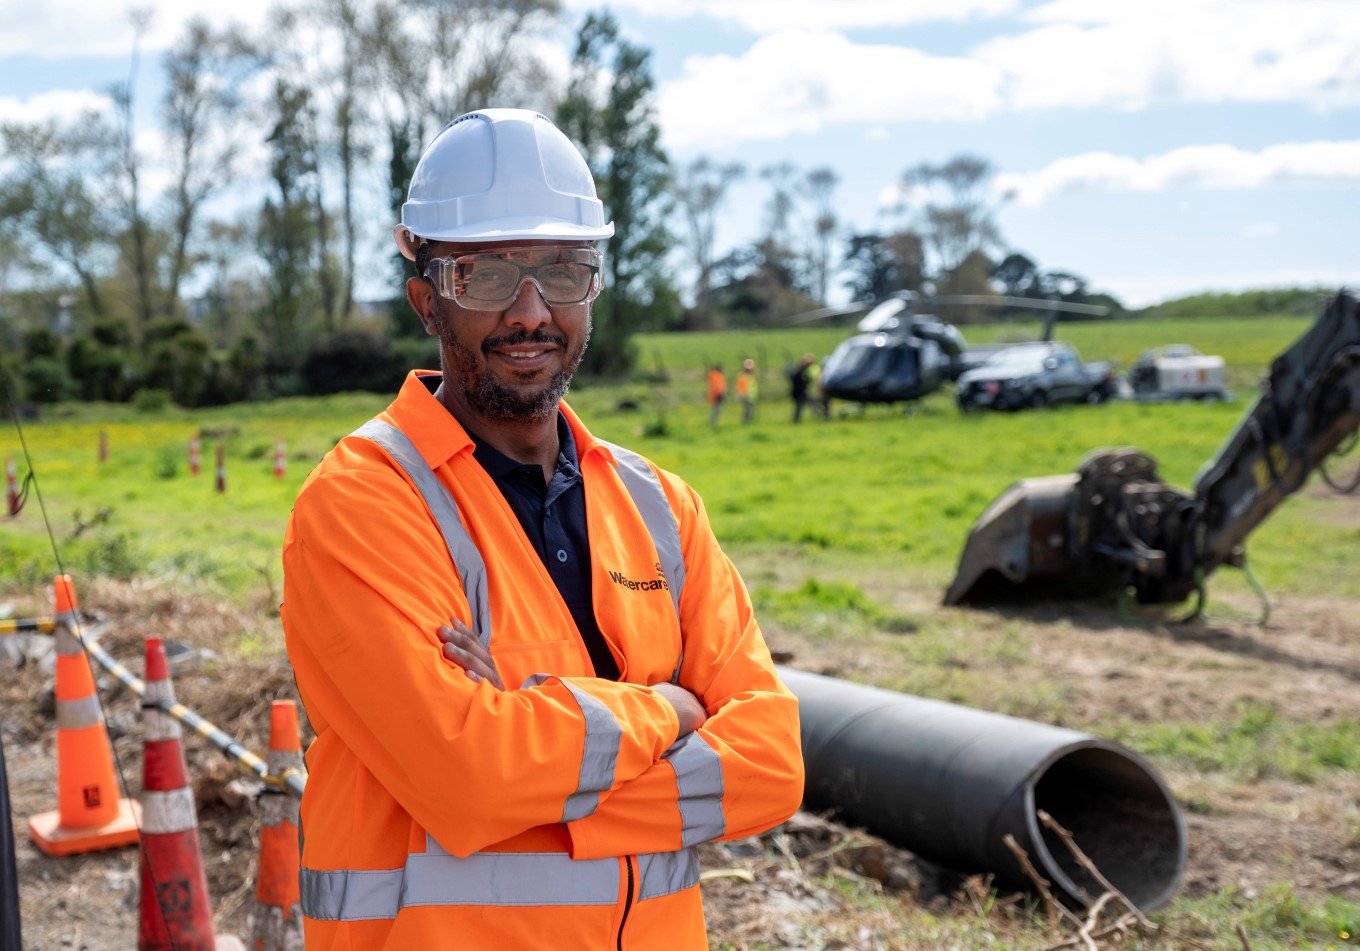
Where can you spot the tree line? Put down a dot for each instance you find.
(224, 262)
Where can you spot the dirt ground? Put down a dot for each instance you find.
(777, 891)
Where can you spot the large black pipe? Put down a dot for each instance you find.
(948, 783)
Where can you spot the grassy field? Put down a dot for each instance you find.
(870, 493)
(874, 484)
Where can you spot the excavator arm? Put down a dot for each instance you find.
(1115, 524)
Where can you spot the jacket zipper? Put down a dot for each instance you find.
(628, 900)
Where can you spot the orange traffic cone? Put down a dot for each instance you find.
(195, 456)
(103, 446)
(175, 915)
(280, 458)
(11, 487)
(90, 814)
(221, 484)
(278, 911)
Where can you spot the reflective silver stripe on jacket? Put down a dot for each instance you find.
(699, 780)
(464, 553)
(603, 735)
(650, 500)
(487, 878)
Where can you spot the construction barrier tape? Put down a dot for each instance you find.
(291, 781)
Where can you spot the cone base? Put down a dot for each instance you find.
(229, 942)
(47, 833)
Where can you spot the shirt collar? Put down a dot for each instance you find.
(439, 437)
(498, 464)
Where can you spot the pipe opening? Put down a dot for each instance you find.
(1121, 816)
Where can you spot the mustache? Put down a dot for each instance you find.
(540, 335)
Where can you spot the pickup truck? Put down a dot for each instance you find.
(1033, 375)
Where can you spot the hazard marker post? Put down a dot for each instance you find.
(220, 484)
(12, 503)
(195, 456)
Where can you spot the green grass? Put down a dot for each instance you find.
(878, 483)
(1255, 743)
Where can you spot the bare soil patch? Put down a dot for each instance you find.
(783, 889)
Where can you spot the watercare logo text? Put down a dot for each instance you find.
(656, 584)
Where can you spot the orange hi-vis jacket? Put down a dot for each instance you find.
(717, 385)
(559, 813)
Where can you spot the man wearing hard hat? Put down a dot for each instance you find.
(535, 679)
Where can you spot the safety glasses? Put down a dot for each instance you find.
(491, 280)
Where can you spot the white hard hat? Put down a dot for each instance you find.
(501, 174)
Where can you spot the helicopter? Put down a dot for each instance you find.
(900, 354)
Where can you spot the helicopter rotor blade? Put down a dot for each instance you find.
(1034, 303)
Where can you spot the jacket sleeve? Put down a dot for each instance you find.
(367, 583)
(741, 773)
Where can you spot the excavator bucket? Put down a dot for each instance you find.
(1022, 537)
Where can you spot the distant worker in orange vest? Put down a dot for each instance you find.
(747, 389)
(717, 393)
(536, 681)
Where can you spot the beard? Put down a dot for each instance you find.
(466, 374)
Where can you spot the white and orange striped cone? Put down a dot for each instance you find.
(90, 814)
(280, 458)
(278, 910)
(175, 913)
(11, 486)
(220, 483)
(195, 456)
(103, 446)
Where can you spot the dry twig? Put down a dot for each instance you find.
(1090, 867)
(1052, 906)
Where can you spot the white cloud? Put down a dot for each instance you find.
(1123, 54)
(1132, 53)
(1261, 229)
(62, 105)
(799, 82)
(772, 16)
(54, 29)
(1197, 166)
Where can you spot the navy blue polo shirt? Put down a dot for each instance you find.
(554, 518)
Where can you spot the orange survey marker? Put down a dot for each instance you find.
(278, 912)
(195, 456)
(90, 814)
(280, 458)
(175, 914)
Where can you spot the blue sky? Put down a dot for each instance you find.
(1157, 147)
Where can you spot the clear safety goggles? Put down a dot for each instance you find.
(491, 280)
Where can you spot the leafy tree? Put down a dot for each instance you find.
(202, 101)
(617, 131)
(881, 264)
(136, 226)
(287, 225)
(1019, 276)
(700, 189)
(50, 201)
(954, 210)
(820, 186)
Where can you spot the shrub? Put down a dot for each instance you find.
(45, 380)
(348, 360)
